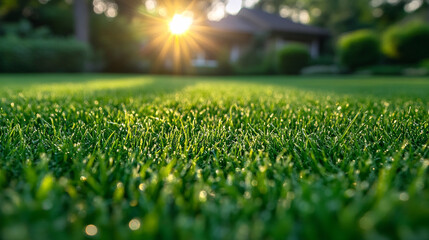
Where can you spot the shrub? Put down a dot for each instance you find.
(425, 64)
(384, 70)
(416, 72)
(408, 43)
(321, 70)
(256, 59)
(225, 66)
(323, 60)
(252, 61)
(42, 55)
(359, 49)
(293, 58)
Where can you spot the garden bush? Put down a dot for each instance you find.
(224, 64)
(321, 70)
(384, 70)
(324, 60)
(254, 58)
(257, 59)
(407, 43)
(42, 55)
(293, 58)
(359, 49)
(425, 64)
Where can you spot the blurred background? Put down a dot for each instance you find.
(226, 37)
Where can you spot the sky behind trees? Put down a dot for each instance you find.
(338, 15)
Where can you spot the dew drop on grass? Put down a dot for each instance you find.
(134, 224)
(134, 203)
(349, 193)
(91, 230)
(366, 222)
(404, 197)
(247, 195)
(203, 196)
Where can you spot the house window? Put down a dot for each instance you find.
(314, 49)
(201, 61)
(235, 53)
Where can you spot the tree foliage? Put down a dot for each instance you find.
(348, 15)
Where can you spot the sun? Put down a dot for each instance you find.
(180, 24)
(176, 36)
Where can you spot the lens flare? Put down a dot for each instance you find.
(180, 24)
(175, 34)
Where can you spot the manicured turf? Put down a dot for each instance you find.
(140, 157)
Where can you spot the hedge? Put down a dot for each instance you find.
(359, 49)
(42, 55)
(293, 58)
(407, 43)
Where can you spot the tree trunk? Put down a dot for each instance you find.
(81, 20)
(427, 13)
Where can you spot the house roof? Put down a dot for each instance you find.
(235, 23)
(256, 21)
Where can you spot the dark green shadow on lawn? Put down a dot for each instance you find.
(150, 85)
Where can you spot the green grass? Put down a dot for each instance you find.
(141, 157)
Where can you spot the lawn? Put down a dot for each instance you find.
(142, 157)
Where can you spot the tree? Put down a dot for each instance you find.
(55, 15)
(81, 20)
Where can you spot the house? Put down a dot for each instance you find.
(236, 32)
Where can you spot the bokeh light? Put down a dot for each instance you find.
(91, 230)
(134, 224)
